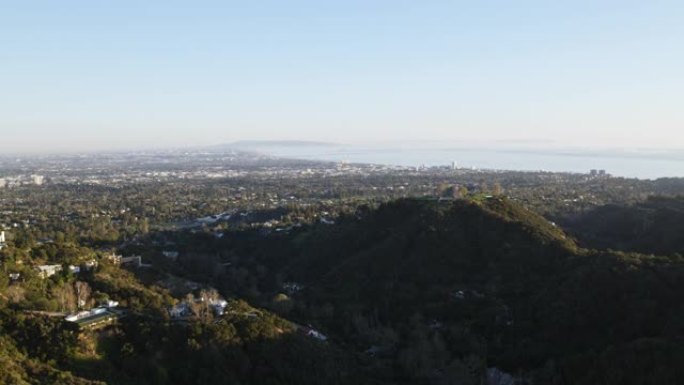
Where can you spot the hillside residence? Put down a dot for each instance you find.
(45, 271)
(180, 310)
(170, 254)
(90, 265)
(114, 258)
(183, 309)
(109, 304)
(219, 306)
(94, 317)
(311, 332)
(134, 260)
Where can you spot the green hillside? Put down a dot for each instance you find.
(415, 291)
(448, 282)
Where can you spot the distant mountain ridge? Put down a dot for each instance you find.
(279, 143)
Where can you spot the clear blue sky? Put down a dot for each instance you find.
(92, 74)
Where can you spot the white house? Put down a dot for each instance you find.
(77, 316)
(46, 271)
(219, 306)
(109, 304)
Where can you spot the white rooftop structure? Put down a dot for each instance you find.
(46, 271)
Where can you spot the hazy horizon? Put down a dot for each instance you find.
(83, 76)
(262, 145)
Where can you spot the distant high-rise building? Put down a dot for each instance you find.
(2, 237)
(454, 165)
(593, 172)
(602, 172)
(37, 179)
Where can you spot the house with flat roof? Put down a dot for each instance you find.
(45, 271)
(94, 318)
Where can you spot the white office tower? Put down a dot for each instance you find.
(2, 237)
(37, 179)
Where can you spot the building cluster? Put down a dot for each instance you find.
(144, 168)
(22, 180)
(46, 271)
(185, 309)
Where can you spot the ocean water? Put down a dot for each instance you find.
(644, 164)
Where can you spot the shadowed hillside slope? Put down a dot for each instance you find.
(491, 280)
(653, 226)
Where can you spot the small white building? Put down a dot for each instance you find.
(90, 265)
(46, 271)
(114, 258)
(170, 254)
(219, 306)
(311, 332)
(109, 304)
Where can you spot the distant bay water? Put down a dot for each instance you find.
(643, 164)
